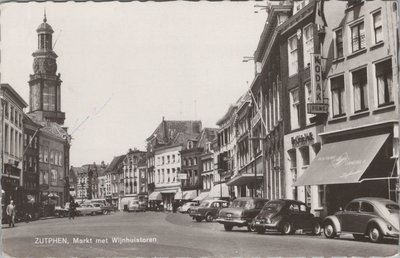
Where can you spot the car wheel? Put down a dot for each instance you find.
(375, 234)
(329, 230)
(209, 218)
(93, 213)
(105, 212)
(359, 237)
(198, 219)
(260, 230)
(228, 227)
(251, 228)
(286, 228)
(316, 229)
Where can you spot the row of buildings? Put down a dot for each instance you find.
(171, 169)
(35, 145)
(319, 123)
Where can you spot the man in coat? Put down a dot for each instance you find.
(11, 213)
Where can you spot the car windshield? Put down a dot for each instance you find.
(393, 208)
(273, 206)
(242, 204)
(204, 204)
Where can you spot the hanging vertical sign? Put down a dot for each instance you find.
(316, 78)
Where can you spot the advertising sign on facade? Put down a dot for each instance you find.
(316, 78)
(317, 108)
(181, 176)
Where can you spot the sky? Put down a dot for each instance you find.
(125, 66)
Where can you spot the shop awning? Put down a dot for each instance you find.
(201, 196)
(219, 191)
(189, 195)
(168, 191)
(155, 196)
(244, 179)
(179, 196)
(342, 162)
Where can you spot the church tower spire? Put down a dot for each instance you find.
(45, 91)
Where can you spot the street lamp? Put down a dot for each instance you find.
(247, 59)
(261, 7)
(82, 185)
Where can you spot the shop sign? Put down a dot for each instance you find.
(316, 78)
(181, 176)
(317, 108)
(302, 139)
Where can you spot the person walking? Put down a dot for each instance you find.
(72, 208)
(11, 214)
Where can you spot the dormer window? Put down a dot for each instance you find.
(208, 146)
(190, 145)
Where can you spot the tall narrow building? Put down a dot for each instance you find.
(45, 91)
(45, 110)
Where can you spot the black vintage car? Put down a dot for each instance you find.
(286, 216)
(241, 212)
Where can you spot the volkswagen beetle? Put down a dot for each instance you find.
(370, 217)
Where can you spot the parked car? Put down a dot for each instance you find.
(105, 206)
(241, 213)
(207, 210)
(186, 207)
(286, 216)
(88, 208)
(370, 217)
(104, 209)
(135, 205)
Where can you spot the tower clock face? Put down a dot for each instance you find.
(50, 66)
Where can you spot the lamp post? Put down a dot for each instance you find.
(82, 185)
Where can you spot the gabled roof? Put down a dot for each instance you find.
(115, 163)
(232, 109)
(183, 138)
(167, 127)
(207, 135)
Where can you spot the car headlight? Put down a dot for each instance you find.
(389, 227)
(268, 221)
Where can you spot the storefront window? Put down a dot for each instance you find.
(293, 170)
(305, 155)
(321, 202)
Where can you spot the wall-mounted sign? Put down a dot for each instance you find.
(317, 108)
(302, 139)
(181, 176)
(316, 78)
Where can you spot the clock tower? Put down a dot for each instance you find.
(44, 83)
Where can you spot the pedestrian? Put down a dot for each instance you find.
(71, 210)
(11, 214)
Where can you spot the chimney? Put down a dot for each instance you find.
(166, 137)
